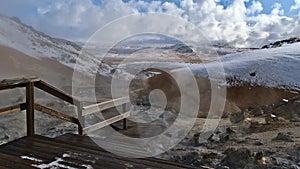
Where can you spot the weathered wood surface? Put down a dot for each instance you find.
(104, 105)
(70, 151)
(55, 113)
(12, 109)
(30, 108)
(106, 122)
(17, 82)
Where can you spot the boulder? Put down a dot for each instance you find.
(237, 117)
(238, 158)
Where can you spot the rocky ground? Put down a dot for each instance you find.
(264, 137)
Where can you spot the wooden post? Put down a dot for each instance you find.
(81, 118)
(30, 108)
(124, 120)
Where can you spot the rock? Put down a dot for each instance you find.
(224, 137)
(283, 137)
(258, 156)
(284, 163)
(212, 138)
(279, 104)
(192, 158)
(210, 156)
(257, 120)
(237, 158)
(260, 161)
(258, 143)
(222, 167)
(271, 118)
(257, 112)
(295, 119)
(215, 138)
(220, 136)
(203, 137)
(237, 117)
(230, 131)
(230, 108)
(4, 137)
(267, 109)
(2, 129)
(281, 119)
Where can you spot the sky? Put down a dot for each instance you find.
(240, 23)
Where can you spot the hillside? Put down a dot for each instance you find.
(30, 42)
(273, 68)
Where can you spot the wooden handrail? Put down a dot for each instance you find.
(12, 109)
(56, 92)
(17, 82)
(104, 123)
(104, 105)
(55, 113)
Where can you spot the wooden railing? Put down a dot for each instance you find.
(103, 106)
(30, 105)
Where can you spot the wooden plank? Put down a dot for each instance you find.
(12, 161)
(80, 150)
(12, 109)
(17, 82)
(30, 108)
(103, 159)
(29, 149)
(104, 105)
(106, 122)
(55, 113)
(88, 143)
(56, 92)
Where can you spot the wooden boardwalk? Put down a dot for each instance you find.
(69, 151)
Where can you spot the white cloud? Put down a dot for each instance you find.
(77, 19)
(277, 9)
(296, 6)
(255, 8)
(237, 25)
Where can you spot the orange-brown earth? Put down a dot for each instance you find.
(238, 97)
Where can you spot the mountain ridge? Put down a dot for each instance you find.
(24, 38)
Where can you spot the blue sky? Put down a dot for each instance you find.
(267, 5)
(230, 20)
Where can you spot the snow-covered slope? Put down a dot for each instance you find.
(276, 67)
(25, 39)
(282, 42)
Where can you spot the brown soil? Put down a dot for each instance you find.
(239, 97)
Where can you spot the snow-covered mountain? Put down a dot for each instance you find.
(282, 42)
(275, 68)
(25, 39)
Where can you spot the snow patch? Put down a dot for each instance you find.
(31, 158)
(274, 68)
